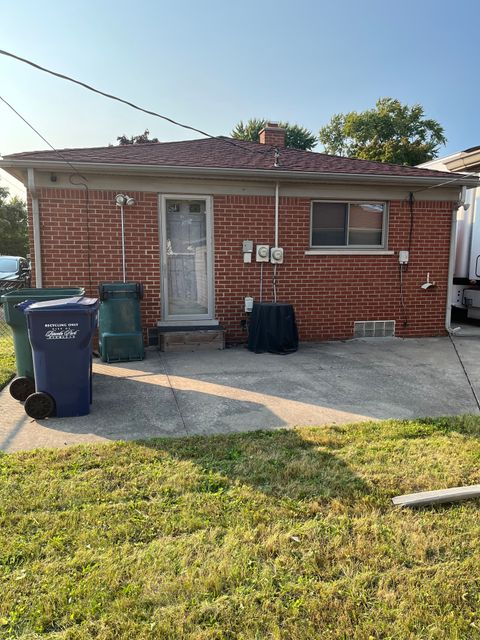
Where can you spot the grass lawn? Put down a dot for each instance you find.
(7, 359)
(283, 535)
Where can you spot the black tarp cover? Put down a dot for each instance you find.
(273, 328)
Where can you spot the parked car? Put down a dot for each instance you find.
(14, 270)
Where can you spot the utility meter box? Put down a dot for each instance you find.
(276, 255)
(263, 253)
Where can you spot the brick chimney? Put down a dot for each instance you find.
(273, 134)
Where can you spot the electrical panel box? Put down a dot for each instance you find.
(276, 255)
(263, 253)
(248, 304)
(247, 246)
(403, 257)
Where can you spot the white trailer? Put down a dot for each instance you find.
(466, 276)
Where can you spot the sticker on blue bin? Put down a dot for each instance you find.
(61, 330)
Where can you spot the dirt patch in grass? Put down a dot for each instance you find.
(282, 535)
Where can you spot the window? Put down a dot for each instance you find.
(348, 224)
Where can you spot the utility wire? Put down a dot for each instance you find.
(82, 183)
(2, 177)
(442, 184)
(128, 103)
(40, 136)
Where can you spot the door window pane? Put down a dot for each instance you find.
(329, 222)
(186, 244)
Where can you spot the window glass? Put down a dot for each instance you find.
(8, 264)
(329, 223)
(343, 224)
(186, 245)
(365, 224)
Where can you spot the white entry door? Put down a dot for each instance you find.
(187, 261)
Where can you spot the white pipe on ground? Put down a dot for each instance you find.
(37, 246)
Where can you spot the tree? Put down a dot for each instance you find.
(391, 132)
(13, 225)
(141, 139)
(296, 137)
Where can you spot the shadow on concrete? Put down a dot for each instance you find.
(206, 393)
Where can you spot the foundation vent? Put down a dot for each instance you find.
(374, 329)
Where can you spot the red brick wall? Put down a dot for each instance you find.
(69, 236)
(329, 292)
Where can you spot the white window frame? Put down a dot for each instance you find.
(351, 248)
(185, 319)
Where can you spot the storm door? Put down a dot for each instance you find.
(187, 273)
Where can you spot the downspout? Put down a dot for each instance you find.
(276, 213)
(451, 261)
(276, 242)
(37, 247)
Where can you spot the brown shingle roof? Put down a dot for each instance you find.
(221, 153)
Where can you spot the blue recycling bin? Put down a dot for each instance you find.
(61, 333)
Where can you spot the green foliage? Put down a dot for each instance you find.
(296, 137)
(7, 354)
(281, 534)
(13, 225)
(140, 139)
(391, 132)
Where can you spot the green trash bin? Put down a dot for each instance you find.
(22, 386)
(119, 321)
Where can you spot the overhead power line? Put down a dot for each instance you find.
(128, 103)
(4, 179)
(442, 184)
(40, 135)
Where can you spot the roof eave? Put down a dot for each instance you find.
(258, 174)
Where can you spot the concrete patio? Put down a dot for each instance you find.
(235, 390)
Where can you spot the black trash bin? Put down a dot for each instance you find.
(61, 332)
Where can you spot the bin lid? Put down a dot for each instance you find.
(76, 303)
(34, 294)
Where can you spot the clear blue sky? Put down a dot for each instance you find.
(215, 62)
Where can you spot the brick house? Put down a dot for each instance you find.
(340, 221)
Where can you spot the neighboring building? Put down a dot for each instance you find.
(341, 222)
(466, 272)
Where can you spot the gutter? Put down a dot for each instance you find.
(258, 174)
(37, 246)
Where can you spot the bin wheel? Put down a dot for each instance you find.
(39, 405)
(21, 388)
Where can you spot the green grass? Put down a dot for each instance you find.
(278, 535)
(7, 358)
